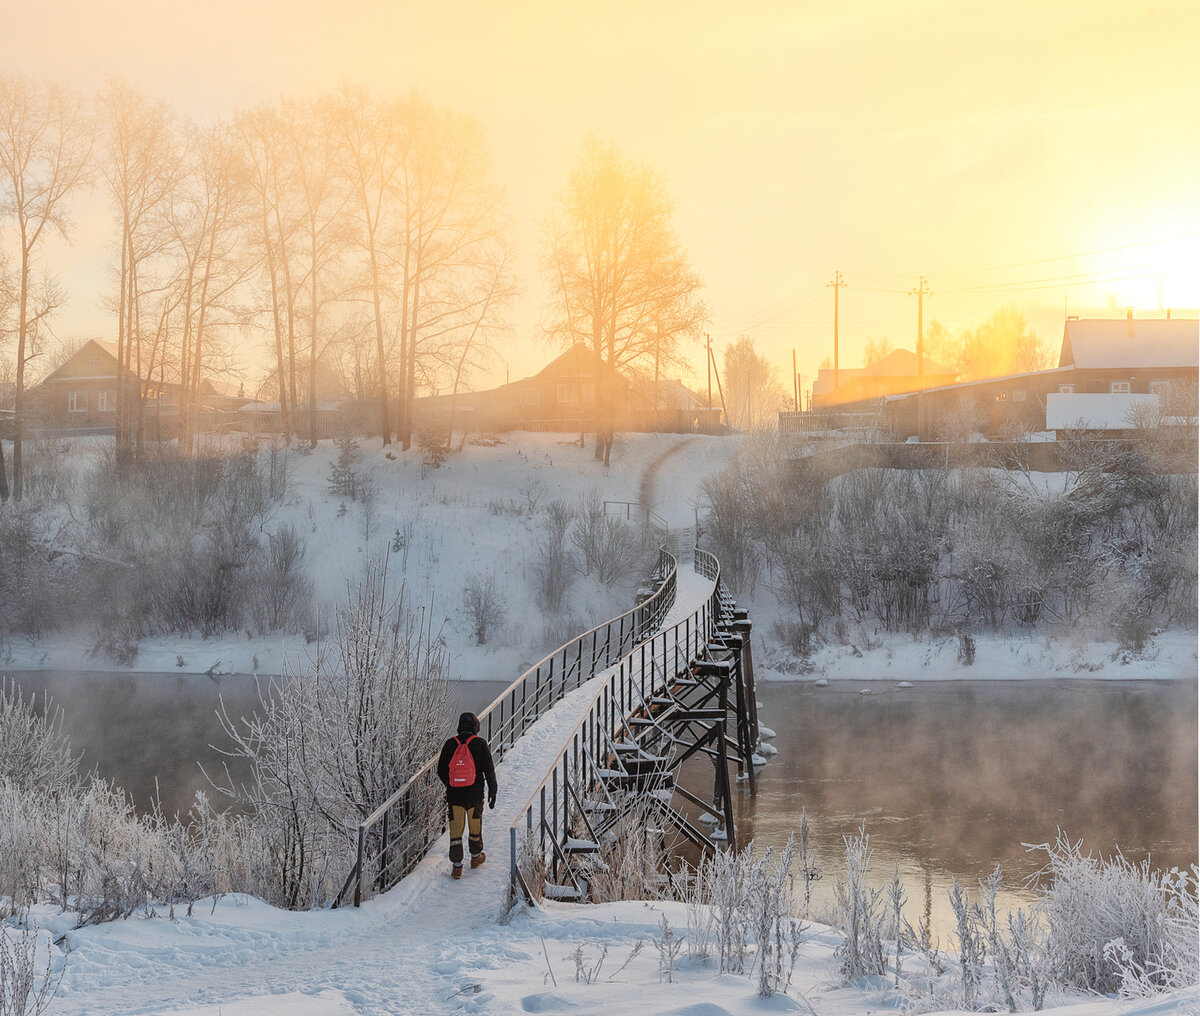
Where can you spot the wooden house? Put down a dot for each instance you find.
(1106, 360)
(565, 396)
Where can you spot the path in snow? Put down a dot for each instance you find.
(400, 953)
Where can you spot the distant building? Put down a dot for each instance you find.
(565, 396)
(894, 374)
(81, 394)
(1102, 362)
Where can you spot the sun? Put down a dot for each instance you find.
(1152, 276)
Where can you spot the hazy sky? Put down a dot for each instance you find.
(1007, 151)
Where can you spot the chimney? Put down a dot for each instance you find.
(1168, 313)
(1129, 322)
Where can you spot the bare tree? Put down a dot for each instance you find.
(322, 201)
(621, 283)
(140, 163)
(451, 252)
(45, 150)
(372, 152)
(206, 216)
(753, 394)
(266, 177)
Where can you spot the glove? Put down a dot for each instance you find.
(492, 799)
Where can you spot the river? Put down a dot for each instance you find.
(950, 778)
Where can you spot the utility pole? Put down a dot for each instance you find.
(920, 293)
(836, 284)
(708, 358)
(795, 384)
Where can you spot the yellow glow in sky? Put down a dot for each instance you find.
(981, 145)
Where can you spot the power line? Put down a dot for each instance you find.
(1069, 257)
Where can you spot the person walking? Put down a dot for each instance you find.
(464, 766)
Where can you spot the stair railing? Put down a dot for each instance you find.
(548, 819)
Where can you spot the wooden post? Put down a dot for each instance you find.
(359, 869)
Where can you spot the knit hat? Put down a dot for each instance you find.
(468, 723)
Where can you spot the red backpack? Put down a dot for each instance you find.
(462, 764)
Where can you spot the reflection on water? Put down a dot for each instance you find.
(150, 733)
(952, 778)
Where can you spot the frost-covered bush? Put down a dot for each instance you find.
(555, 567)
(26, 986)
(281, 593)
(332, 741)
(610, 546)
(861, 913)
(34, 752)
(740, 906)
(483, 604)
(1115, 926)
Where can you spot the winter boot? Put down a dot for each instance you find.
(456, 872)
(478, 859)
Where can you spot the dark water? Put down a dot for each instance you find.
(951, 778)
(150, 733)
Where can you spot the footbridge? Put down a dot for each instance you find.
(589, 743)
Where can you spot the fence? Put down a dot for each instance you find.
(561, 807)
(393, 838)
(1176, 454)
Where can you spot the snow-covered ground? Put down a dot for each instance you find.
(477, 514)
(436, 946)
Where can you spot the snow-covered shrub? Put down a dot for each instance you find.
(34, 752)
(331, 742)
(344, 477)
(668, 943)
(30, 585)
(281, 593)
(1115, 926)
(808, 579)
(555, 568)
(483, 603)
(26, 987)
(631, 858)
(729, 525)
(860, 913)
(610, 545)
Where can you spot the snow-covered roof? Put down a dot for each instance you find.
(1131, 342)
(1091, 411)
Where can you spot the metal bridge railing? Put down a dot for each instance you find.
(394, 837)
(558, 810)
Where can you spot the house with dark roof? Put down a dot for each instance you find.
(81, 394)
(563, 396)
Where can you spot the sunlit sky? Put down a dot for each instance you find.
(1018, 151)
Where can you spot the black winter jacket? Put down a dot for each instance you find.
(484, 770)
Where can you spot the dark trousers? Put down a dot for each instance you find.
(471, 817)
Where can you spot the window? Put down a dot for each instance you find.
(1001, 396)
(106, 402)
(1019, 395)
(566, 392)
(76, 402)
(1066, 389)
(1119, 387)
